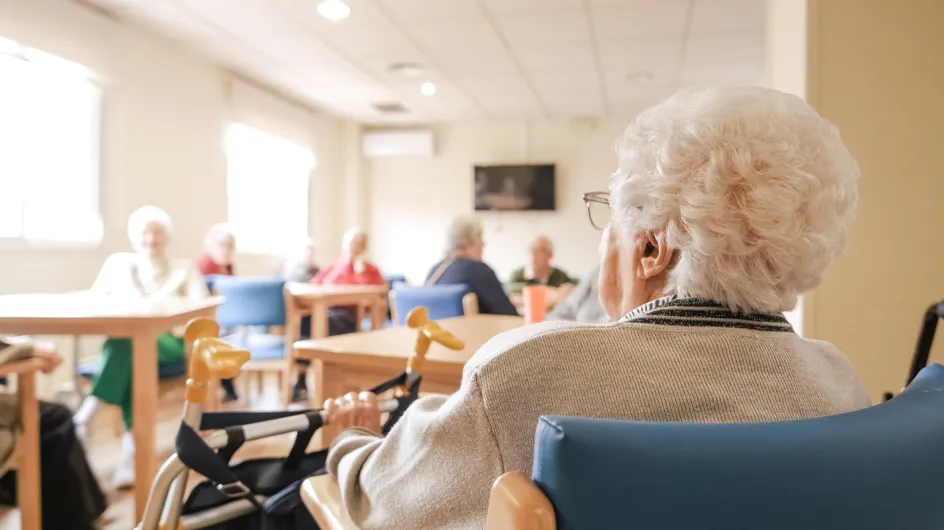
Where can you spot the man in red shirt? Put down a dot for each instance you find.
(352, 268)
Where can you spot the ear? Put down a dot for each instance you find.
(655, 256)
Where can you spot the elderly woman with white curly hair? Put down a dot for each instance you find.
(727, 204)
(147, 272)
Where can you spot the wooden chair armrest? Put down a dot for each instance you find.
(25, 366)
(517, 504)
(392, 300)
(322, 497)
(470, 304)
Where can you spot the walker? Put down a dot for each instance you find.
(260, 493)
(925, 339)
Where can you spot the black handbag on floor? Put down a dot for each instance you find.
(277, 479)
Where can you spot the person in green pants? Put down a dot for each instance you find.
(113, 382)
(147, 273)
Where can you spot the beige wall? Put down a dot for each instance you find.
(876, 71)
(412, 199)
(164, 114)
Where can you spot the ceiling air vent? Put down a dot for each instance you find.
(390, 107)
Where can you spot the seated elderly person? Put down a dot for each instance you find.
(71, 498)
(727, 204)
(220, 247)
(583, 303)
(352, 268)
(540, 271)
(463, 264)
(301, 269)
(147, 273)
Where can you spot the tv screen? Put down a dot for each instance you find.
(520, 187)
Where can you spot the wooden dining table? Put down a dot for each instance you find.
(356, 361)
(141, 320)
(309, 299)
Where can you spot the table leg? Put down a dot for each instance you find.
(378, 314)
(292, 330)
(328, 384)
(144, 346)
(28, 474)
(319, 320)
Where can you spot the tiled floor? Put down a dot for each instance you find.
(106, 448)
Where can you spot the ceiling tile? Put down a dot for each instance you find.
(248, 19)
(546, 27)
(470, 33)
(634, 19)
(424, 11)
(722, 17)
(465, 63)
(501, 7)
(513, 86)
(555, 56)
(640, 54)
(564, 81)
(731, 49)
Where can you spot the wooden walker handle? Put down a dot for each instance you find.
(210, 357)
(428, 332)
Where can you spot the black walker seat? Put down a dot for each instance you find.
(278, 479)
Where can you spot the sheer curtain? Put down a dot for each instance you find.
(267, 190)
(49, 149)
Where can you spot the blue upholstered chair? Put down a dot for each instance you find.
(875, 469)
(442, 301)
(250, 304)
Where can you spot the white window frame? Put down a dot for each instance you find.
(63, 68)
(299, 162)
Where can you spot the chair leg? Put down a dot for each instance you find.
(260, 382)
(285, 385)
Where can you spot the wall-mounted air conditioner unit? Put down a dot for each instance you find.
(387, 144)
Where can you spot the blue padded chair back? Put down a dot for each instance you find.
(443, 301)
(250, 301)
(874, 469)
(394, 278)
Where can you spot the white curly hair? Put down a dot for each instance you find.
(752, 188)
(144, 216)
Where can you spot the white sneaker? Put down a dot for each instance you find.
(124, 473)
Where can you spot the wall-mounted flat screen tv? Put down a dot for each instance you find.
(515, 187)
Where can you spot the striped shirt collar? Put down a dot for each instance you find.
(676, 311)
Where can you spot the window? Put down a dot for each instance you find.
(49, 149)
(267, 190)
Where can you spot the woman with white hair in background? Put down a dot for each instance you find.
(220, 247)
(727, 204)
(463, 264)
(352, 268)
(149, 273)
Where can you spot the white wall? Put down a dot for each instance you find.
(412, 199)
(164, 113)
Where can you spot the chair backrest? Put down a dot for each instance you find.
(394, 278)
(873, 469)
(250, 301)
(442, 301)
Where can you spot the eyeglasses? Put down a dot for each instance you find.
(598, 208)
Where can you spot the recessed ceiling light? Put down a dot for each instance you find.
(428, 88)
(334, 10)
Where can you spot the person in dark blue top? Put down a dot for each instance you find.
(463, 264)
